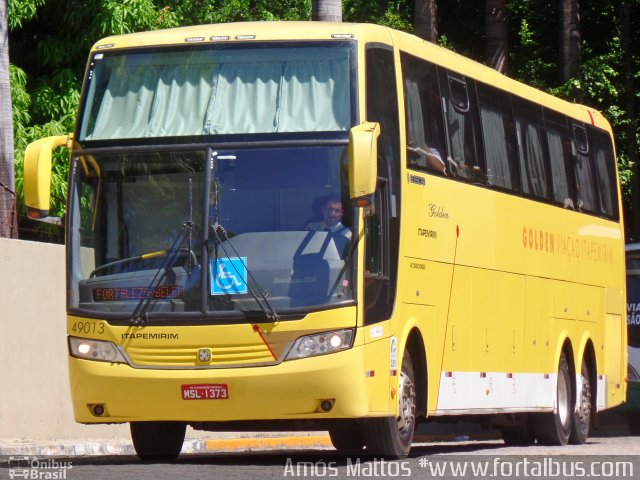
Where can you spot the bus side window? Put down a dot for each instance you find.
(604, 161)
(499, 138)
(559, 141)
(462, 127)
(533, 152)
(423, 116)
(585, 185)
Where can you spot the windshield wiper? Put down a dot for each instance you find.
(139, 313)
(262, 300)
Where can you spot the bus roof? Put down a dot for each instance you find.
(265, 31)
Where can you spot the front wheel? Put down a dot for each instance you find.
(158, 440)
(391, 437)
(554, 428)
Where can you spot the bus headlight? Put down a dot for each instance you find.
(321, 344)
(90, 349)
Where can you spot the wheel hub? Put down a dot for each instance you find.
(563, 400)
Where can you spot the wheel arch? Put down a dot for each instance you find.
(415, 346)
(566, 347)
(589, 355)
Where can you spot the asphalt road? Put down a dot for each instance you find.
(615, 456)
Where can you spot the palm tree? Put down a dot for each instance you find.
(497, 35)
(425, 23)
(8, 221)
(326, 10)
(569, 39)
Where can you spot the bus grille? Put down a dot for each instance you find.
(187, 356)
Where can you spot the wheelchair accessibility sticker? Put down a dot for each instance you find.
(228, 276)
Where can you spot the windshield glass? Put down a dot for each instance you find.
(137, 225)
(218, 90)
(271, 234)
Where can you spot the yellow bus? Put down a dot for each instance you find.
(337, 227)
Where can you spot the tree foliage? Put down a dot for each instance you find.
(50, 40)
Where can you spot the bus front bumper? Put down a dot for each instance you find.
(291, 390)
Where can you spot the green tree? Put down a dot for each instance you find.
(631, 130)
(51, 39)
(193, 12)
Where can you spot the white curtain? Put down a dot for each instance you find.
(585, 184)
(495, 144)
(605, 182)
(220, 92)
(532, 162)
(558, 168)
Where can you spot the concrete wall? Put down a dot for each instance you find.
(35, 400)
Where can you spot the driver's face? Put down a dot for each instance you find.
(332, 213)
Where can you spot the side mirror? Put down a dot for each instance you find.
(363, 162)
(37, 174)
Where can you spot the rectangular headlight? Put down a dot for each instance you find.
(321, 344)
(99, 350)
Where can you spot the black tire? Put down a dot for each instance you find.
(158, 440)
(633, 420)
(518, 435)
(391, 437)
(581, 423)
(347, 439)
(554, 428)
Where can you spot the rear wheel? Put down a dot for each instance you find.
(554, 428)
(391, 437)
(582, 414)
(158, 440)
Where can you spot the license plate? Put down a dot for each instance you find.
(209, 391)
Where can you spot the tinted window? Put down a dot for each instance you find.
(533, 155)
(585, 185)
(604, 162)
(423, 115)
(499, 136)
(462, 130)
(559, 141)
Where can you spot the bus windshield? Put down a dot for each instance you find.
(218, 90)
(210, 231)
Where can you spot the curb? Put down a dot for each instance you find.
(268, 443)
(70, 448)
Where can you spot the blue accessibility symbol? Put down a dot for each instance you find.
(228, 276)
